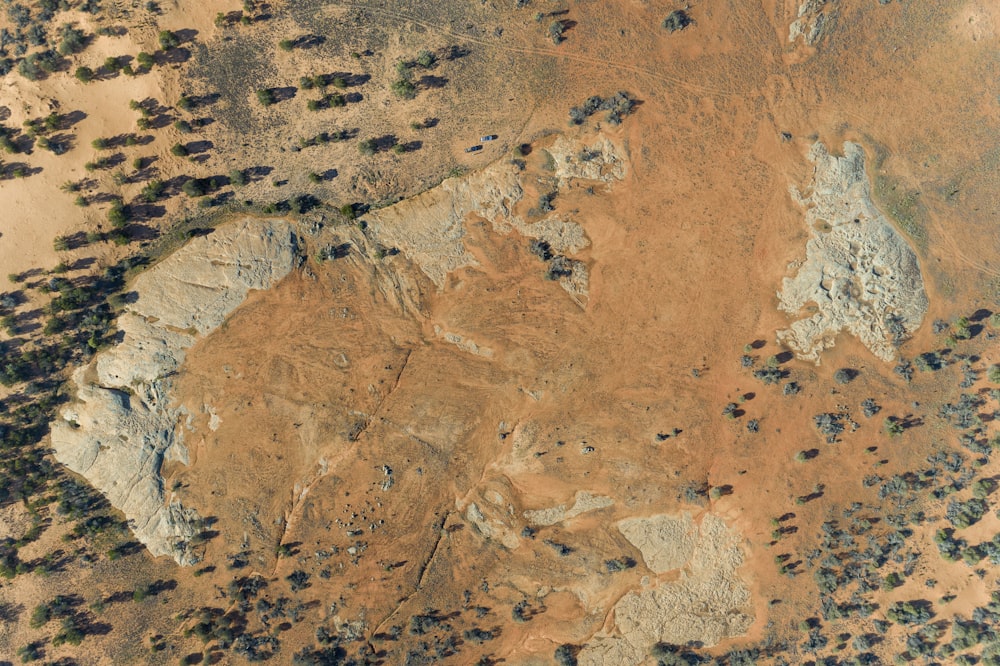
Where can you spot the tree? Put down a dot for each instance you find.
(238, 177)
(843, 376)
(168, 40)
(266, 96)
(84, 74)
(893, 426)
(73, 40)
(118, 214)
(368, 147)
(145, 60)
(426, 59)
(153, 190)
(556, 32)
(179, 150)
(677, 20)
(404, 88)
(994, 373)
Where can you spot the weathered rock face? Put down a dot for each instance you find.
(859, 272)
(810, 23)
(429, 228)
(707, 603)
(123, 426)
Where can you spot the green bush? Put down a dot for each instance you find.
(168, 40)
(73, 40)
(426, 59)
(84, 74)
(404, 88)
(266, 96)
(118, 214)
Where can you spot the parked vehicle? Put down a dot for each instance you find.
(473, 149)
(488, 137)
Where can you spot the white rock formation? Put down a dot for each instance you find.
(429, 228)
(708, 601)
(666, 542)
(810, 22)
(859, 273)
(122, 426)
(582, 503)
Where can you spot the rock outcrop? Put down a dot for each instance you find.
(123, 425)
(811, 22)
(429, 228)
(707, 602)
(582, 503)
(859, 272)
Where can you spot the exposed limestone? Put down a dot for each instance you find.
(583, 503)
(463, 343)
(123, 426)
(666, 542)
(492, 527)
(859, 272)
(707, 603)
(810, 23)
(429, 228)
(600, 161)
(563, 236)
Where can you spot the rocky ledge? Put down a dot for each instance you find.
(123, 426)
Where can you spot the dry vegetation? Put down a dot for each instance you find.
(367, 471)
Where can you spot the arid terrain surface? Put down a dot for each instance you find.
(692, 358)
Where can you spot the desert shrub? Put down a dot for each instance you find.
(677, 20)
(557, 30)
(118, 214)
(909, 612)
(843, 376)
(266, 96)
(196, 187)
(168, 40)
(404, 88)
(84, 74)
(153, 190)
(286, 45)
(426, 59)
(37, 65)
(73, 40)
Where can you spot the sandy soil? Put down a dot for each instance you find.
(320, 385)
